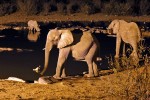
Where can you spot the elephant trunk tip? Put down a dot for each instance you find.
(38, 30)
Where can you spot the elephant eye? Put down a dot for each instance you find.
(56, 37)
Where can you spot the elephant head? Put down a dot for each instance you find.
(113, 28)
(33, 25)
(61, 38)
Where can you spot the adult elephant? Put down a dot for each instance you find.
(82, 45)
(128, 32)
(33, 26)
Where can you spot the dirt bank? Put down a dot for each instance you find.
(19, 17)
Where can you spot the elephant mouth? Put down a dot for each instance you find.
(110, 31)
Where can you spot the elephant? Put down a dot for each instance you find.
(33, 26)
(33, 36)
(83, 47)
(128, 32)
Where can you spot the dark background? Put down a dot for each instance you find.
(46, 7)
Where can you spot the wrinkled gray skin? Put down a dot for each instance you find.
(128, 32)
(83, 47)
(33, 26)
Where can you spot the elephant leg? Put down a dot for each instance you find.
(63, 73)
(118, 42)
(34, 30)
(89, 59)
(134, 52)
(90, 69)
(124, 50)
(30, 28)
(95, 69)
(63, 54)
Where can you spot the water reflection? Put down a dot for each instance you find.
(33, 36)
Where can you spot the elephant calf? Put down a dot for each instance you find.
(33, 25)
(83, 46)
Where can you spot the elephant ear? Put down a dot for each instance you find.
(65, 39)
(116, 26)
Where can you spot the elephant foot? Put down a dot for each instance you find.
(123, 55)
(57, 77)
(96, 75)
(88, 75)
(116, 57)
(63, 76)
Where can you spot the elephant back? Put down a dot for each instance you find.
(136, 29)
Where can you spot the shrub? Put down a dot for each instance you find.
(88, 9)
(29, 7)
(46, 8)
(73, 7)
(21, 5)
(145, 7)
(127, 62)
(97, 5)
(7, 8)
(61, 8)
(118, 8)
(33, 7)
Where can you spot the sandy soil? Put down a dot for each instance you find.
(117, 86)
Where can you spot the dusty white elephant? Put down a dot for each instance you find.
(33, 36)
(83, 46)
(33, 26)
(128, 32)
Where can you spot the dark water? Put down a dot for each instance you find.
(20, 64)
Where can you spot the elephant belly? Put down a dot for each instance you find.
(79, 53)
(126, 40)
(78, 56)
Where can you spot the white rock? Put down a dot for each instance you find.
(16, 79)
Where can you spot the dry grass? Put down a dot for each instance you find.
(136, 84)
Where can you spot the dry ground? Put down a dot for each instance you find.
(126, 85)
(119, 86)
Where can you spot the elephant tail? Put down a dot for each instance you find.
(136, 30)
(138, 33)
(98, 57)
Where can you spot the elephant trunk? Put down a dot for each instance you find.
(48, 47)
(38, 29)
